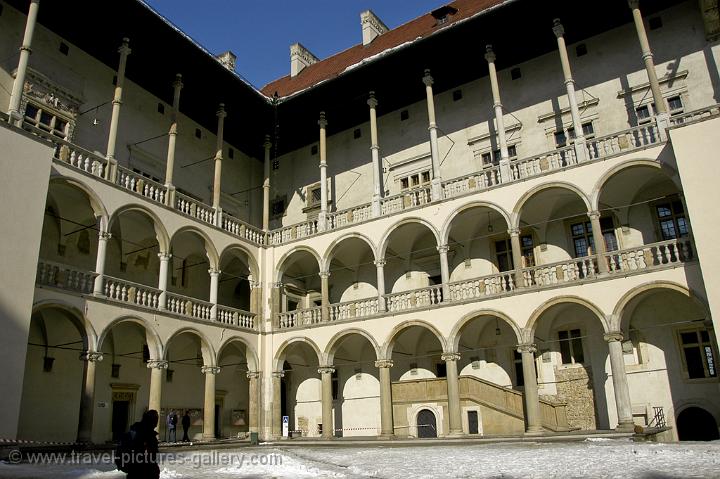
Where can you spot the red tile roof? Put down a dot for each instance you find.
(335, 65)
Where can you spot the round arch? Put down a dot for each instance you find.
(96, 203)
(208, 352)
(154, 342)
(515, 217)
(210, 249)
(252, 261)
(250, 354)
(279, 357)
(529, 330)
(602, 181)
(456, 333)
(279, 269)
(445, 231)
(336, 341)
(387, 348)
(328, 256)
(76, 317)
(414, 219)
(160, 231)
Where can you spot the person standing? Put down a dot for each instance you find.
(186, 426)
(172, 421)
(138, 452)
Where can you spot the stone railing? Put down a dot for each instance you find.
(129, 292)
(65, 277)
(300, 317)
(484, 286)
(416, 298)
(696, 115)
(649, 256)
(360, 308)
(195, 209)
(625, 141)
(242, 229)
(297, 231)
(235, 317)
(350, 216)
(560, 272)
(543, 163)
(406, 199)
(139, 184)
(186, 306)
(477, 181)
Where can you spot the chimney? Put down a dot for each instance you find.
(228, 59)
(372, 26)
(300, 57)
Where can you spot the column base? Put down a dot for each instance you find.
(208, 438)
(456, 434)
(387, 437)
(534, 431)
(625, 426)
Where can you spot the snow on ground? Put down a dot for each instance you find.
(592, 458)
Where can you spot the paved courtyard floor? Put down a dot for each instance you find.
(594, 458)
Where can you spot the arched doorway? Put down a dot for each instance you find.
(426, 424)
(696, 424)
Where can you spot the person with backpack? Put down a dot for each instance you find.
(137, 453)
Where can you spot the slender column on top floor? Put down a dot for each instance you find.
(387, 429)
(255, 296)
(209, 404)
(322, 217)
(580, 148)
(620, 382)
(87, 398)
(14, 114)
(517, 257)
(532, 399)
(505, 171)
(432, 128)
(380, 267)
(266, 184)
(375, 152)
(599, 242)
(163, 278)
(111, 167)
(661, 111)
(453, 388)
(277, 403)
(444, 271)
(254, 400)
(214, 282)
(326, 372)
(103, 238)
(172, 141)
(217, 181)
(156, 367)
(325, 295)
(275, 300)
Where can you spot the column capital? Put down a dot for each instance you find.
(372, 102)
(613, 336)
(125, 47)
(210, 369)
(91, 356)
(527, 348)
(322, 122)
(164, 256)
(158, 364)
(104, 235)
(277, 285)
(324, 274)
(489, 54)
(384, 363)
(214, 272)
(380, 263)
(328, 369)
(450, 357)
(514, 231)
(558, 28)
(278, 374)
(220, 113)
(178, 84)
(255, 284)
(427, 78)
(634, 4)
(443, 248)
(267, 144)
(252, 374)
(593, 215)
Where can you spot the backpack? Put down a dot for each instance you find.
(123, 451)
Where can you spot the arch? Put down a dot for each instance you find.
(96, 203)
(540, 310)
(390, 342)
(515, 217)
(445, 231)
(664, 168)
(210, 249)
(327, 257)
(205, 345)
(336, 340)
(696, 422)
(154, 342)
(250, 354)
(287, 254)
(160, 231)
(279, 357)
(398, 224)
(456, 333)
(76, 317)
(252, 261)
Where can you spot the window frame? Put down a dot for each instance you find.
(702, 345)
(572, 340)
(671, 202)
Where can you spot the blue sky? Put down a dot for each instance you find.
(260, 32)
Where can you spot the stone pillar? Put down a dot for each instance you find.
(375, 153)
(620, 382)
(432, 128)
(580, 148)
(87, 398)
(599, 241)
(157, 367)
(209, 405)
(103, 238)
(444, 271)
(217, 182)
(532, 400)
(322, 217)
(662, 116)
(326, 372)
(255, 296)
(275, 299)
(214, 281)
(505, 171)
(386, 410)
(111, 167)
(517, 257)
(453, 388)
(253, 403)
(163, 279)
(266, 184)
(14, 114)
(380, 266)
(276, 403)
(325, 295)
(172, 141)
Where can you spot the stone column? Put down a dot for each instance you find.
(266, 184)
(255, 295)
(209, 405)
(276, 403)
(253, 403)
(163, 279)
(580, 148)
(599, 241)
(157, 367)
(325, 295)
(214, 281)
(517, 257)
(532, 400)
(505, 171)
(444, 271)
(380, 266)
(111, 167)
(14, 114)
(453, 388)
(217, 181)
(172, 141)
(375, 153)
(432, 128)
(275, 299)
(87, 398)
(322, 217)
(620, 382)
(662, 116)
(103, 238)
(386, 410)
(326, 372)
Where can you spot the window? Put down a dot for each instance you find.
(415, 180)
(515, 73)
(562, 136)
(161, 108)
(277, 207)
(44, 119)
(582, 237)
(643, 113)
(671, 220)
(571, 348)
(675, 105)
(519, 374)
(698, 356)
(457, 95)
(404, 115)
(503, 253)
(198, 133)
(655, 23)
(64, 48)
(357, 133)
(581, 50)
(115, 370)
(493, 158)
(441, 370)
(276, 164)
(335, 385)
(314, 150)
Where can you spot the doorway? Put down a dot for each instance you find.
(696, 424)
(426, 424)
(473, 422)
(120, 416)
